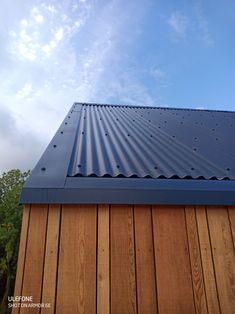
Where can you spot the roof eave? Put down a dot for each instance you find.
(133, 191)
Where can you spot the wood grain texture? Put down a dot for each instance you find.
(174, 282)
(145, 268)
(207, 261)
(123, 281)
(33, 273)
(51, 259)
(195, 260)
(21, 254)
(103, 294)
(231, 212)
(224, 257)
(76, 287)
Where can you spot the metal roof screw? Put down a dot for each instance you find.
(195, 149)
(128, 134)
(151, 135)
(228, 169)
(118, 166)
(66, 122)
(159, 127)
(216, 138)
(79, 166)
(54, 146)
(173, 135)
(69, 117)
(213, 129)
(195, 138)
(61, 132)
(156, 167)
(43, 169)
(117, 119)
(192, 168)
(100, 119)
(84, 117)
(82, 132)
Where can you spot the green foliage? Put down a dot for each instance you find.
(10, 221)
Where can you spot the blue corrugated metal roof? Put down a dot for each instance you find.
(138, 142)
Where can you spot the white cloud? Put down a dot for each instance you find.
(203, 26)
(25, 92)
(24, 23)
(160, 76)
(179, 25)
(24, 36)
(37, 16)
(59, 35)
(20, 147)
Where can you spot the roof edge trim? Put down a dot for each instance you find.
(150, 107)
(133, 191)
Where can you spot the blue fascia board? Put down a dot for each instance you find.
(133, 191)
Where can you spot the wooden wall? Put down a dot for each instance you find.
(127, 259)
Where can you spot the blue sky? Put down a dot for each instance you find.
(53, 53)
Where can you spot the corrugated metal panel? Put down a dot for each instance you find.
(142, 142)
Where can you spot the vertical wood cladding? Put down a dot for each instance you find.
(127, 259)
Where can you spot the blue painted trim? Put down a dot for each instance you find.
(133, 191)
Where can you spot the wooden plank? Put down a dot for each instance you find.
(207, 261)
(195, 260)
(21, 255)
(51, 255)
(145, 268)
(76, 287)
(174, 282)
(103, 295)
(123, 281)
(33, 273)
(224, 257)
(231, 212)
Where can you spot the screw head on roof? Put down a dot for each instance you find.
(66, 122)
(228, 169)
(118, 166)
(43, 169)
(61, 132)
(192, 168)
(54, 146)
(79, 166)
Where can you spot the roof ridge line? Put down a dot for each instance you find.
(151, 107)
